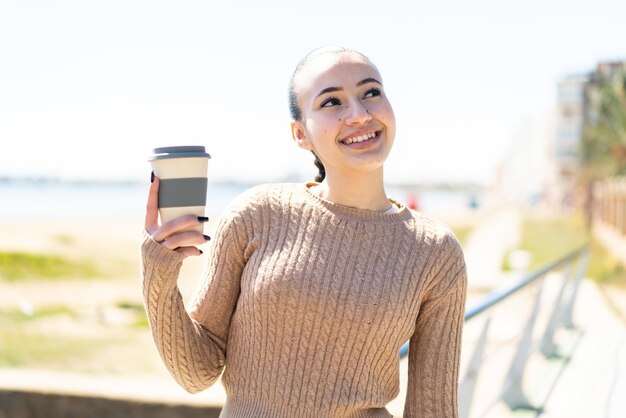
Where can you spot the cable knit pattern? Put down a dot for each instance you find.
(305, 304)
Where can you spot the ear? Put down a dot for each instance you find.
(299, 135)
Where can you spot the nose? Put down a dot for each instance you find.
(358, 114)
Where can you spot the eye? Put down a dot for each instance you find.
(331, 101)
(373, 92)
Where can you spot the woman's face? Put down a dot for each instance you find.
(346, 117)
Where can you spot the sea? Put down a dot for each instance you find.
(56, 199)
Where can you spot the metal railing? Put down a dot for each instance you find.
(557, 313)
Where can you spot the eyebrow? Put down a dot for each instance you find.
(360, 83)
(368, 80)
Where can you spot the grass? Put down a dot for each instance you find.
(17, 266)
(22, 344)
(88, 336)
(28, 341)
(462, 232)
(604, 268)
(20, 348)
(117, 353)
(20, 316)
(549, 238)
(139, 311)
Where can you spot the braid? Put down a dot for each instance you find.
(321, 169)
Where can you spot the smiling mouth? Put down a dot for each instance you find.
(360, 138)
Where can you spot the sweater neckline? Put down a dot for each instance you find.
(344, 211)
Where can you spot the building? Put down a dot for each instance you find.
(570, 122)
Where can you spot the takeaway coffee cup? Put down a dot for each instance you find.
(182, 172)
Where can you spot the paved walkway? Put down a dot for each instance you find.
(487, 246)
(593, 382)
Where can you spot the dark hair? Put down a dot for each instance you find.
(294, 109)
(321, 170)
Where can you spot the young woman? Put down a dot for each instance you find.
(311, 289)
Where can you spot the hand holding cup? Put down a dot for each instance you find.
(179, 234)
(178, 197)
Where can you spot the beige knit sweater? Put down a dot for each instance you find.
(305, 304)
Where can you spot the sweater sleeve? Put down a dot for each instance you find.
(435, 347)
(193, 345)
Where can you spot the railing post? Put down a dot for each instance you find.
(512, 393)
(547, 346)
(468, 384)
(583, 259)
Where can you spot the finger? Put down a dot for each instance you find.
(182, 239)
(189, 251)
(177, 225)
(152, 208)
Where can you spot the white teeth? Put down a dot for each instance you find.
(360, 138)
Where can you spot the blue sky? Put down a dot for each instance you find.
(88, 88)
